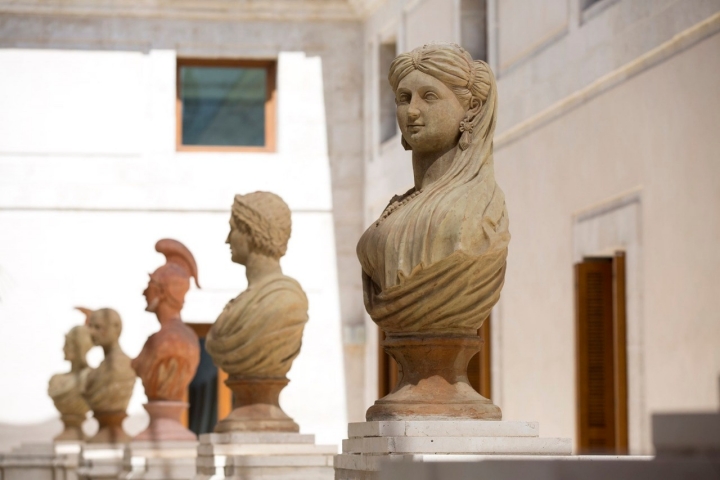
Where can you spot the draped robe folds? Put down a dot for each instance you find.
(436, 265)
(109, 387)
(259, 333)
(167, 362)
(65, 390)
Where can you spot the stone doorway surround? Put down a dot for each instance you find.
(600, 230)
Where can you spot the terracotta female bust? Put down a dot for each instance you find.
(169, 358)
(434, 262)
(258, 335)
(109, 387)
(65, 388)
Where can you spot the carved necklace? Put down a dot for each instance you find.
(396, 205)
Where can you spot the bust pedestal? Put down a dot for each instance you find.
(256, 406)
(72, 431)
(263, 456)
(110, 429)
(433, 384)
(371, 443)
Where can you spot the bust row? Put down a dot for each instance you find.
(255, 340)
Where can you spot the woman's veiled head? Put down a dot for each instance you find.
(263, 219)
(450, 64)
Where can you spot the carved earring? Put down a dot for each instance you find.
(466, 128)
(405, 145)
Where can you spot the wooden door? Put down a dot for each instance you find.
(204, 416)
(600, 352)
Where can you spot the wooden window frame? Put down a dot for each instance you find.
(270, 67)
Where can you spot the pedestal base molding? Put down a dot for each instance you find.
(165, 460)
(263, 455)
(101, 461)
(372, 443)
(41, 461)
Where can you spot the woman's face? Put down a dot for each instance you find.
(68, 349)
(239, 245)
(428, 113)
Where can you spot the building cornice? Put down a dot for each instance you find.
(222, 10)
(678, 43)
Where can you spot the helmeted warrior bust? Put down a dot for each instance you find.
(169, 358)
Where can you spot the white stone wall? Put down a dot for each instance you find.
(654, 135)
(90, 180)
(618, 103)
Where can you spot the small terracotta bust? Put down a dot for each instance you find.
(65, 388)
(109, 387)
(258, 335)
(169, 358)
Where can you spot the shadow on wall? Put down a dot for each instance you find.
(13, 435)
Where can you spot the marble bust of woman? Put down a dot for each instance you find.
(433, 264)
(258, 334)
(65, 388)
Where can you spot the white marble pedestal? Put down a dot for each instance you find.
(101, 461)
(164, 460)
(371, 443)
(41, 461)
(263, 455)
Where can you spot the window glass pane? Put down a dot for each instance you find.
(223, 106)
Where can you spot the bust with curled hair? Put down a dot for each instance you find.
(258, 334)
(433, 264)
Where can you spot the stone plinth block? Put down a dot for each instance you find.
(373, 443)
(584, 467)
(263, 455)
(680, 434)
(168, 460)
(41, 461)
(101, 461)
